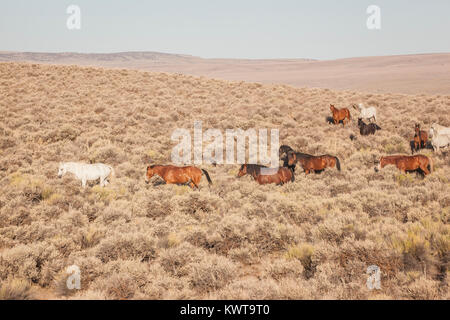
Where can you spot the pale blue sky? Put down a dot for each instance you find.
(320, 29)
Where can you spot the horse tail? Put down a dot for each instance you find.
(207, 176)
(292, 173)
(338, 164)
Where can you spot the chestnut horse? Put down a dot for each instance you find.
(178, 175)
(340, 115)
(408, 163)
(279, 177)
(313, 163)
(420, 137)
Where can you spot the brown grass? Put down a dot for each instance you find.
(311, 239)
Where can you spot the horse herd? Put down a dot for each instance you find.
(439, 135)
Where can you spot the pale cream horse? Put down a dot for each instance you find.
(86, 172)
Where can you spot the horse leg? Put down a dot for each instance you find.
(425, 169)
(83, 183)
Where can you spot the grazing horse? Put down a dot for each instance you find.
(366, 129)
(251, 169)
(314, 163)
(178, 175)
(85, 172)
(408, 163)
(279, 177)
(340, 114)
(420, 137)
(366, 113)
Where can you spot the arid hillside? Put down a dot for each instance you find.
(407, 74)
(311, 239)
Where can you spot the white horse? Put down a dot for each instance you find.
(438, 139)
(85, 172)
(439, 130)
(366, 113)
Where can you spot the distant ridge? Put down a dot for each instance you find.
(409, 74)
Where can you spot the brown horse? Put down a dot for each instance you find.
(420, 137)
(313, 163)
(251, 169)
(178, 175)
(279, 177)
(340, 115)
(408, 163)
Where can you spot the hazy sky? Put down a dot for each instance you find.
(319, 29)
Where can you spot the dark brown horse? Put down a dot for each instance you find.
(279, 177)
(366, 129)
(408, 163)
(284, 149)
(178, 175)
(420, 137)
(253, 170)
(340, 115)
(313, 163)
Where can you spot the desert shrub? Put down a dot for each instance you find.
(16, 289)
(126, 246)
(305, 254)
(175, 259)
(33, 263)
(211, 273)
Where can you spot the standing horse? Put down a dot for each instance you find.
(178, 175)
(420, 137)
(408, 163)
(340, 115)
(439, 140)
(279, 177)
(85, 172)
(366, 113)
(366, 129)
(440, 130)
(314, 163)
(251, 169)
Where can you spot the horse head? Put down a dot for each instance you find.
(360, 122)
(242, 171)
(291, 158)
(149, 174)
(332, 108)
(62, 170)
(417, 127)
(380, 164)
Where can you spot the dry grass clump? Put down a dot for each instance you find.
(311, 239)
(16, 289)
